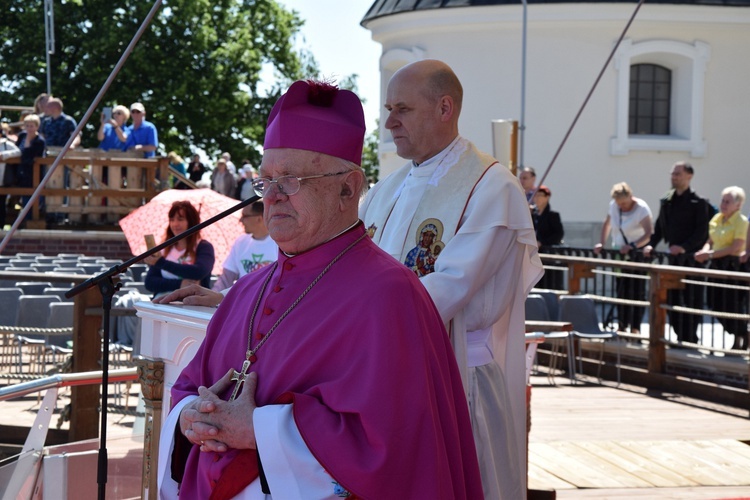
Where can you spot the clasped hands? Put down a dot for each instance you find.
(218, 425)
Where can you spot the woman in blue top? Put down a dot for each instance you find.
(111, 132)
(188, 261)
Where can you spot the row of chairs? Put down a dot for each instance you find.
(36, 323)
(135, 273)
(39, 335)
(10, 299)
(47, 288)
(580, 311)
(70, 263)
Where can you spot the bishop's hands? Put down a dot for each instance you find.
(218, 425)
(192, 295)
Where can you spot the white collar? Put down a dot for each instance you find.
(441, 163)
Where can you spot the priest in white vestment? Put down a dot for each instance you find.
(461, 222)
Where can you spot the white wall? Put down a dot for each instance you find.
(567, 46)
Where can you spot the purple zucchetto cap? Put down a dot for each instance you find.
(316, 116)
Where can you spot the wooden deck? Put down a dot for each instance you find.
(597, 442)
(592, 441)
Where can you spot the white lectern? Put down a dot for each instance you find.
(171, 333)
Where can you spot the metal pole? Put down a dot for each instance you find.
(522, 126)
(81, 124)
(588, 96)
(49, 39)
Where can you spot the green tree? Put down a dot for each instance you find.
(197, 69)
(370, 160)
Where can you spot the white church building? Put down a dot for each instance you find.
(677, 88)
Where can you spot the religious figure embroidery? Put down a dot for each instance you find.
(255, 263)
(421, 259)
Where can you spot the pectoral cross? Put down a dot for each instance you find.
(240, 377)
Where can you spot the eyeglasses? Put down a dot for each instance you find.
(115, 113)
(136, 111)
(287, 184)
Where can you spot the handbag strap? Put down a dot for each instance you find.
(620, 227)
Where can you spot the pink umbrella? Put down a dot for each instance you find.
(153, 218)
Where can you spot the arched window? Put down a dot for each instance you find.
(650, 96)
(659, 97)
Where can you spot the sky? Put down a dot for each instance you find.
(341, 46)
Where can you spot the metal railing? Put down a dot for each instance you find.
(667, 305)
(66, 380)
(124, 181)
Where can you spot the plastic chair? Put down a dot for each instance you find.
(44, 268)
(92, 268)
(59, 292)
(45, 259)
(9, 300)
(33, 287)
(8, 312)
(65, 263)
(59, 344)
(107, 263)
(536, 309)
(552, 301)
(11, 283)
(69, 270)
(21, 263)
(33, 311)
(16, 269)
(89, 259)
(138, 271)
(581, 312)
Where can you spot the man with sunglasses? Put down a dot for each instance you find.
(348, 386)
(142, 135)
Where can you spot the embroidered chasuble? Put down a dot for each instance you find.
(434, 203)
(416, 215)
(365, 365)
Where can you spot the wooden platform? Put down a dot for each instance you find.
(597, 442)
(592, 441)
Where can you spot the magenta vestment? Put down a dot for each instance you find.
(364, 358)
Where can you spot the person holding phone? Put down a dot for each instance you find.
(187, 261)
(111, 132)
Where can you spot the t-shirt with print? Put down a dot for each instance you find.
(248, 254)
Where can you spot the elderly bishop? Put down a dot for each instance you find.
(352, 389)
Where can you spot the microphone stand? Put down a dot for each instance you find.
(107, 287)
